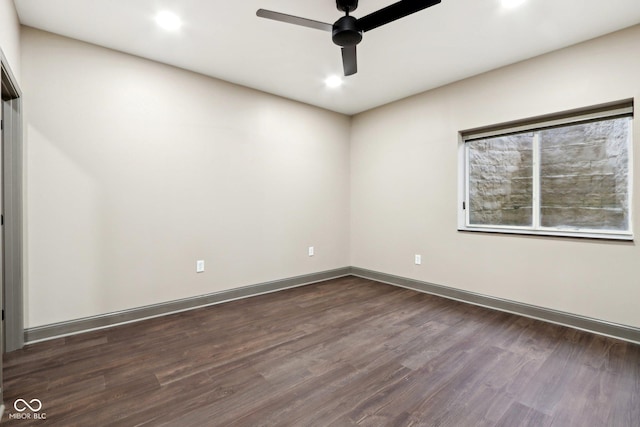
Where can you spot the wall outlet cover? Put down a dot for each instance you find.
(200, 266)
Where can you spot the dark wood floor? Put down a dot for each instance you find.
(344, 352)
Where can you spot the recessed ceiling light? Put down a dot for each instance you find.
(168, 20)
(512, 3)
(333, 81)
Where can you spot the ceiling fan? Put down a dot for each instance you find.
(347, 31)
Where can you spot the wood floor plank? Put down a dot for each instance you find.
(524, 416)
(344, 352)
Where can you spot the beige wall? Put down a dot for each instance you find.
(10, 36)
(135, 170)
(404, 182)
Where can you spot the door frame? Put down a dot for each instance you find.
(12, 169)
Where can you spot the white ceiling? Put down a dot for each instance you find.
(224, 39)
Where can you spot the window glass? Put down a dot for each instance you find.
(500, 180)
(584, 173)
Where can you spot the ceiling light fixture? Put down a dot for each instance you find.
(333, 81)
(512, 3)
(168, 20)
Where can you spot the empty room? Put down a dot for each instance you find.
(320, 213)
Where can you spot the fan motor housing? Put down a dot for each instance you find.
(346, 32)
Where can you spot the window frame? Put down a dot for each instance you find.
(601, 112)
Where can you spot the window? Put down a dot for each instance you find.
(565, 175)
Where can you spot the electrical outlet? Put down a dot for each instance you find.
(200, 266)
(312, 251)
(418, 259)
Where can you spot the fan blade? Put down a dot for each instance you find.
(290, 19)
(392, 12)
(349, 60)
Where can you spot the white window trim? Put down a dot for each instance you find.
(605, 111)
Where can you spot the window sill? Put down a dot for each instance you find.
(552, 233)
